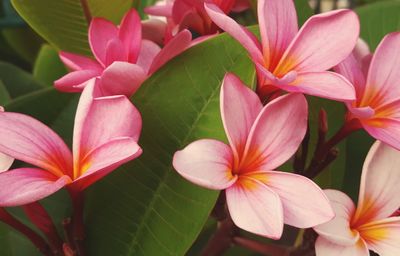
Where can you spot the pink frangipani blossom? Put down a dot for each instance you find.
(260, 199)
(296, 60)
(105, 136)
(190, 14)
(370, 226)
(377, 81)
(123, 59)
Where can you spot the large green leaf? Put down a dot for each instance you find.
(150, 209)
(63, 22)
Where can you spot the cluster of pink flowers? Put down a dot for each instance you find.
(264, 128)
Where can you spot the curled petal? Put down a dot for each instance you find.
(77, 62)
(122, 78)
(207, 163)
(255, 208)
(384, 129)
(75, 81)
(27, 185)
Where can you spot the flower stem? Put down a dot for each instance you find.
(38, 215)
(222, 239)
(324, 153)
(37, 240)
(86, 11)
(78, 228)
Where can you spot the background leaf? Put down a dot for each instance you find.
(48, 66)
(63, 23)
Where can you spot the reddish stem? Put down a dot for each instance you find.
(324, 154)
(264, 249)
(38, 215)
(78, 228)
(37, 240)
(222, 239)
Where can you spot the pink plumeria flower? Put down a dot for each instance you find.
(260, 200)
(190, 14)
(377, 83)
(296, 60)
(5, 160)
(369, 227)
(123, 59)
(105, 136)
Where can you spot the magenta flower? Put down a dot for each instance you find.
(377, 104)
(123, 59)
(102, 141)
(370, 226)
(296, 60)
(260, 200)
(190, 14)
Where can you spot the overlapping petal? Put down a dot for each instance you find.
(241, 34)
(276, 133)
(240, 107)
(101, 31)
(207, 163)
(76, 80)
(78, 62)
(379, 184)
(25, 138)
(130, 33)
(338, 230)
(324, 247)
(278, 27)
(383, 236)
(304, 203)
(106, 158)
(384, 75)
(122, 78)
(96, 122)
(27, 185)
(323, 41)
(255, 208)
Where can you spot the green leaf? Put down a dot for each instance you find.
(48, 66)
(304, 11)
(17, 81)
(63, 22)
(4, 95)
(377, 20)
(150, 209)
(17, 38)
